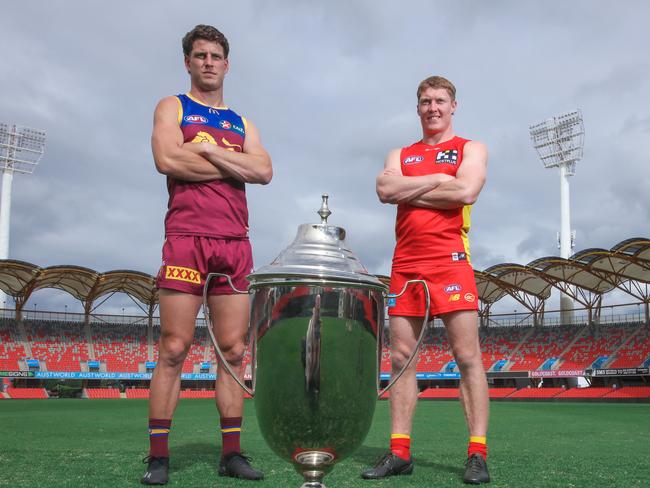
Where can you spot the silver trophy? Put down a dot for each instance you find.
(315, 339)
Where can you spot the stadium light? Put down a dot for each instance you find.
(21, 149)
(559, 142)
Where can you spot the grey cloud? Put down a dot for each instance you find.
(331, 88)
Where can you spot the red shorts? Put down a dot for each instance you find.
(187, 260)
(451, 288)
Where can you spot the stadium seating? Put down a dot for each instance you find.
(137, 393)
(591, 392)
(595, 342)
(635, 352)
(61, 345)
(536, 393)
(630, 392)
(439, 393)
(27, 393)
(94, 393)
(498, 343)
(122, 347)
(11, 348)
(197, 394)
(501, 392)
(543, 343)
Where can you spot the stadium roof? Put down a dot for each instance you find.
(592, 271)
(20, 279)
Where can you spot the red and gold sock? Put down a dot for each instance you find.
(477, 445)
(400, 445)
(158, 435)
(230, 434)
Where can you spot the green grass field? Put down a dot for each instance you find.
(77, 443)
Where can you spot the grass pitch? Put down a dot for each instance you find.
(96, 443)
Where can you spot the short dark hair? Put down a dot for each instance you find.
(437, 82)
(208, 33)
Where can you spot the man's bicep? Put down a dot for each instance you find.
(473, 170)
(392, 161)
(253, 141)
(167, 134)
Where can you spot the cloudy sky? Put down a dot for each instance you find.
(331, 86)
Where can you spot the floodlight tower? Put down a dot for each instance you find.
(559, 142)
(20, 150)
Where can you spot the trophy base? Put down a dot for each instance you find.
(314, 465)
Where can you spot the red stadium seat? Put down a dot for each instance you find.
(536, 393)
(94, 393)
(439, 393)
(137, 393)
(25, 393)
(591, 392)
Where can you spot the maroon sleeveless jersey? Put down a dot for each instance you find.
(213, 208)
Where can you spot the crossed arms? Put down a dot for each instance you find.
(204, 161)
(436, 191)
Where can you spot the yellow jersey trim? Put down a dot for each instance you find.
(189, 95)
(180, 110)
(464, 230)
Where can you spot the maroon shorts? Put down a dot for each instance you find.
(187, 260)
(451, 288)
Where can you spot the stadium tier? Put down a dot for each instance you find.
(12, 348)
(635, 351)
(501, 392)
(93, 393)
(27, 393)
(439, 393)
(629, 392)
(137, 393)
(128, 348)
(121, 348)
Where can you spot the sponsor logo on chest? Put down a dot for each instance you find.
(226, 124)
(450, 156)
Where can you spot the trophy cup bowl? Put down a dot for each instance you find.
(315, 337)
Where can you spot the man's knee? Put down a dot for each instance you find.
(399, 357)
(234, 353)
(469, 360)
(173, 351)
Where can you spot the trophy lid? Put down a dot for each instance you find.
(318, 252)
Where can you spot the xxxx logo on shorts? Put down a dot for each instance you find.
(183, 274)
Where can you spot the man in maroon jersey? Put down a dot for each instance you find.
(434, 182)
(208, 153)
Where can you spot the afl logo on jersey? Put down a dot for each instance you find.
(225, 124)
(453, 288)
(414, 159)
(195, 119)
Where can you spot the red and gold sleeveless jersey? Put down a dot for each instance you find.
(427, 236)
(215, 208)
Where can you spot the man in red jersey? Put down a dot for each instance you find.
(208, 153)
(433, 183)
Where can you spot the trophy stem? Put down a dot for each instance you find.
(313, 484)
